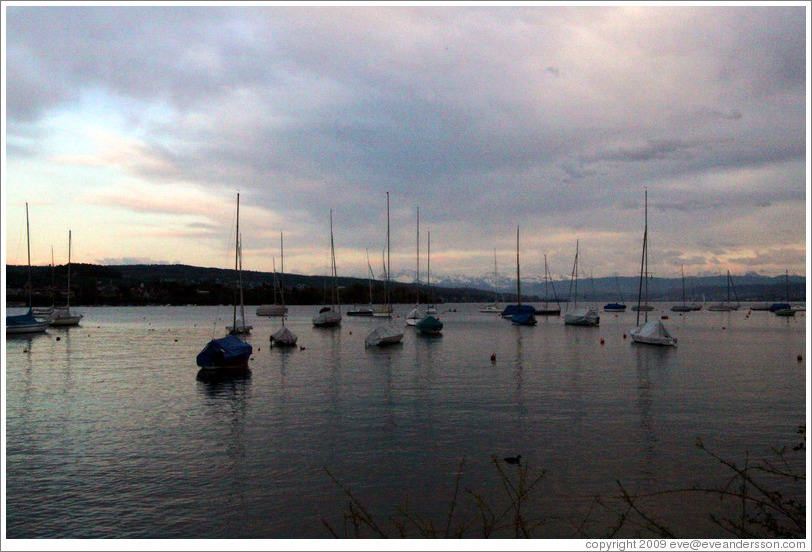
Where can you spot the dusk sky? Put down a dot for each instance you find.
(135, 127)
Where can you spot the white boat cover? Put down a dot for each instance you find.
(653, 333)
(414, 316)
(284, 337)
(327, 317)
(582, 317)
(387, 334)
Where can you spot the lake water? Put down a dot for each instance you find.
(110, 432)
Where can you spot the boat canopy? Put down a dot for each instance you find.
(386, 334)
(225, 351)
(654, 333)
(429, 324)
(26, 319)
(510, 310)
(284, 337)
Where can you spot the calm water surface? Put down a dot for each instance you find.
(110, 432)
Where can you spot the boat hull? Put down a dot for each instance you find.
(226, 352)
(583, 317)
(272, 310)
(327, 318)
(26, 324)
(384, 335)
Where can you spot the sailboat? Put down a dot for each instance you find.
(369, 310)
(384, 310)
(431, 309)
(522, 317)
(415, 315)
(785, 309)
(429, 324)
(616, 307)
(494, 307)
(62, 316)
(585, 316)
(27, 323)
(725, 306)
(548, 310)
(654, 332)
(387, 333)
(684, 307)
(230, 351)
(282, 337)
(276, 309)
(238, 326)
(330, 316)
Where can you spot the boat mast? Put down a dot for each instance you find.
(242, 303)
(69, 244)
(518, 277)
(495, 280)
(428, 268)
(334, 292)
(28, 246)
(418, 257)
(282, 272)
(643, 265)
(388, 259)
(645, 252)
(546, 295)
(236, 263)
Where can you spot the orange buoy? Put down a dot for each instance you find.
(602, 341)
(493, 357)
(800, 358)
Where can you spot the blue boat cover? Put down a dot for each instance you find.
(614, 306)
(22, 319)
(226, 351)
(523, 319)
(429, 324)
(779, 306)
(510, 310)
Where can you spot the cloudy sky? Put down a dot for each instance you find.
(135, 127)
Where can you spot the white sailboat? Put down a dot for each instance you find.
(585, 316)
(494, 307)
(330, 316)
(547, 309)
(283, 337)
(27, 323)
(415, 315)
(276, 309)
(238, 325)
(387, 333)
(650, 332)
(368, 310)
(62, 316)
(728, 305)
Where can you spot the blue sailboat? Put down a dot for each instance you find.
(229, 351)
(26, 323)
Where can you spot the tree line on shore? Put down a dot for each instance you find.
(186, 285)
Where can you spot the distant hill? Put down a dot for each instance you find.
(184, 284)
